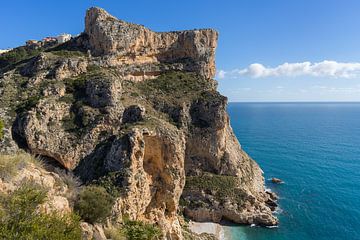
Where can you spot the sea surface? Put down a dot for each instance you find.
(315, 149)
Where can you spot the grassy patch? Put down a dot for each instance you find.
(20, 218)
(68, 54)
(221, 186)
(175, 87)
(114, 234)
(11, 164)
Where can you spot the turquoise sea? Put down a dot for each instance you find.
(315, 149)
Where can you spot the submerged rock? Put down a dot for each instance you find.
(276, 180)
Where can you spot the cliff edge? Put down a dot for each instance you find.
(142, 53)
(136, 112)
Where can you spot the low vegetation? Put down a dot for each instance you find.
(11, 164)
(175, 87)
(28, 104)
(221, 186)
(94, 204)
(164, 96)
(20, 218)
(68, 54)
(17, 55)
(72, 182)
(2, 126)
(134, 230)
(112, 182)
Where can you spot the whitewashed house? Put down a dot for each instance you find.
(63, 38)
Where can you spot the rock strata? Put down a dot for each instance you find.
(126, 44)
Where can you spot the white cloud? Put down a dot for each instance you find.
(320, 69)
(221, 74)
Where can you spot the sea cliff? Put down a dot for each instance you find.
(137, 113)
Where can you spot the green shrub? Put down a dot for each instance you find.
(67, 53)
(94, 204)
(17, 54)
(221, 186)
(2, 126)
(112, 182)
(136, 230)
(20, 218)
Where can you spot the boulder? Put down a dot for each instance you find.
(133, 113)
(102, 91)
(276, 180)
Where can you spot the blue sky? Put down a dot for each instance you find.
(256, 38)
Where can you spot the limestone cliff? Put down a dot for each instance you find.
(140, 53)
(137, 112)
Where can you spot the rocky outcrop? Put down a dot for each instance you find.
(30, 171)
(133, 114)
(155, 176)
(46, 65)
(126, 44)
(213, 148)
(140, 115)
(92, 232)
(103, 91)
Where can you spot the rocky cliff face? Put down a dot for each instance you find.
(142, 53)
(137, 112)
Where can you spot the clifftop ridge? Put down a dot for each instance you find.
(128, 43)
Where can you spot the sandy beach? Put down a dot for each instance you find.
(208, 227)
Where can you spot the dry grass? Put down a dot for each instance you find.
(114, 234)
(10, 165)
(72, 182)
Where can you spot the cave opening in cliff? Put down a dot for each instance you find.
(153, 158)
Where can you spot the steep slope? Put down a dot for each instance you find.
(137, 112)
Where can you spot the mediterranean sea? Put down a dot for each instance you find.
(315, 149)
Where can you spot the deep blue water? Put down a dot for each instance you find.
(315, 149)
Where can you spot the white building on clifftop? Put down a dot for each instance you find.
(63, 38)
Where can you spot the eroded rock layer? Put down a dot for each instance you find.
(126, 44)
